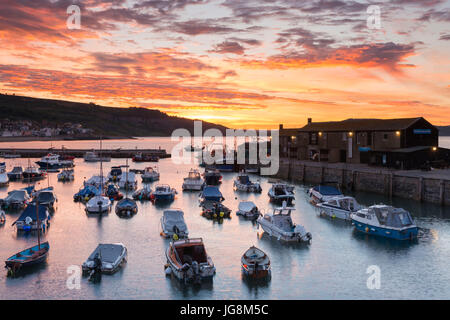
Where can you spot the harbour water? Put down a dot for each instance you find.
(333, 267)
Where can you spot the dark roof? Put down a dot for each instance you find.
(361, 124)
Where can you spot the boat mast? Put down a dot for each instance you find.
(101, 168)
(38, 223)
(126, 180)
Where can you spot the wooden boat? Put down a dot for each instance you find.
(255, 263)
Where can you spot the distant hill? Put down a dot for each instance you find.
(106, 121)
(444, 130)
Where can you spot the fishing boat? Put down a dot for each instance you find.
(211, 203)
(86, 193)
(92, 156)
(53, 161)
(66, 175)
(30, 220)
(386, 221)
(45, 197)
(163, 192)
(212, 177)
(279, 224)
(128, 181)
(4, 180)
(33, 173)
(150, 174)
(243, 183)
(140, 157)
(188, 261)
(144, 193)
(107, 257)
(193, 181)
(112, 192)
(280, 192)
(173, 224)
(248, 209)
(339, 208)
(255, 263)
(16, 174)
(322, 193)
(15, 200)
(115, 173)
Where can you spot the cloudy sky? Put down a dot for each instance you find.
(244, 64)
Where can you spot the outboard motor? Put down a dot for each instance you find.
(196, 270)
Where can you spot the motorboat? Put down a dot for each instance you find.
(188, 261)
(107, 257)
(339, 208)
(126, 207)
(115, 173)
(211, 193)
(53, 161)
(33, 173)
(66, 175)
(212, 177)
(128, 181)
(163, 192)
(28, 219)
(4, 180)
(98, 204)
(92, 156)
(243, 183)
(16, 174)
(112, 192)
(173, 224)
(280, 192)
(248, 209)
(322, 193)
(279, 224)
(211, 203)
(86, 193)
(255, 263)
(15, 200)
(141, 157)
(193, 181)
(145, 193)
(28, 257)
(45, 197)
(150, 174)
(385, 221)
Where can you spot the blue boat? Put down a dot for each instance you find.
(163, 192)
(28, 257)
(28, 219)
(386, 221)
(86, 193)
(211, 193)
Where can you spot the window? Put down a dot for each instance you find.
(313, 138)
(385, 136)
(369, 138)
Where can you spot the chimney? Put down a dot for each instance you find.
(281, 126)
(309, 120)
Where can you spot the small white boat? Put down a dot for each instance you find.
(66, 175)
(280, 192)
(33, 173)
(107, 257)
(91, 156)
(188, 261)
(339, 207)
(98, 204)
(193, 181)
(128, 181)
(53, 161)
(4, 180)
(150, 174)
(173, 224)
(255, 263)
(248, 210)
(279, 225)
(322, 193)
(243, 183)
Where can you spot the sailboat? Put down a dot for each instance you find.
(99, 203)
(31, 256)
(127, 206)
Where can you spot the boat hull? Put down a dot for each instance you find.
(283, 236)
(26, 259)
(206, 270)
(149, 178)
(335, 213)
(403, 234)
(59, 165)
(256, 274)
(163, 197)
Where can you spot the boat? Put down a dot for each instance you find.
(96, 181)
(16, 174)
(98, 204)
(126, 207)
(212, 177)
(193, 181)
(280, 192)
(115, 174)
(30, 220)
(28, 257)
(243, 183)
(322, 193)
(163, 192)
(53, 161)
(107, 258)
(66, 175)
(226, 162)
(140, 157)
(150, 174)
(2, 217)
(15, 200)
(128, 181)
(255, 264)
(248, 209)
(279, 225)
(45, 197)
(173, 224)
(145, 193)
(4, 180)
(33, 173)
(86, 193)
(92, 156)
(211, 203)
(112, 192)
(339, 207)
(188, 261)
(385, 221)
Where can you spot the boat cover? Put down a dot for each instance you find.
(212, 193)
(393, 217)
(126, 203)
(327, 190)
(30, 211)
(45, 196)
(244, 179)
(108, 252)
(16, 196)
(246, 206)
(88, 190)
(173, 218)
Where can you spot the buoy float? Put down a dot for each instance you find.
(222, 214)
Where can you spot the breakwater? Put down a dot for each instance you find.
(427, 186)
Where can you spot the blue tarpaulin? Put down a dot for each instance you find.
(30, 211)
(212, 193)
(328, 190)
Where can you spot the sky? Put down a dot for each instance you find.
(244, 64)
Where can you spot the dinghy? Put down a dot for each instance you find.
(173, 224)
(28, 257)
(193, 181)
(243, 183)
(111, 256)
(150, 174)
(281, 192)
(255, 263)
(248, 209)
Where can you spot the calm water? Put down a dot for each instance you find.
(332, 267)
